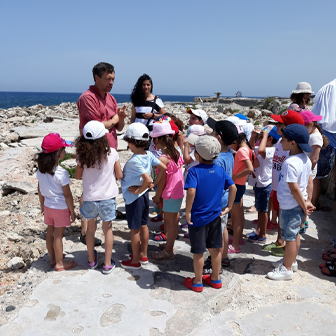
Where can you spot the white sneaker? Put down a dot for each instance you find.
(280, 273)
(295, 266)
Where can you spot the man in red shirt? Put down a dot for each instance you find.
(98, 104)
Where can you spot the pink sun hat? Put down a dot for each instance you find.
(161, 128)
(309, 116)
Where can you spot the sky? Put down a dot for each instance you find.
(261, 48)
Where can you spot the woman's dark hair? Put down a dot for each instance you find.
(137, 95)
(100, 68)
(298, 98)
(138, 143)
(167, 140)
(92, 152)
(47, 162)
(325, 139)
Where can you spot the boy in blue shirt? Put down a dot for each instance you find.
(226, 133)
(205, 184)
(135, 185)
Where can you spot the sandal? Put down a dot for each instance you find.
(213, 283)
(109, 269)
(329, 270)
(162, 227)
(232, 250)
(189, 283)
(156, 219)
(328, 263)
(278, 251)
(94, 264)
(269, 247)
(157, 255)
(226, 262)
(329, 257)
(160, 237)
(71, 265)
(52, 265)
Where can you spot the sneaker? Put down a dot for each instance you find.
(128, 264)
(257, 240)
(142, 260)
(184, 226)
(94, 264)
(207, 268)
(156, 219)
(280, 273)
(276, 264)
(154, 213)
(108, 269)
(251, 234)
(82, 239)
(186, 235)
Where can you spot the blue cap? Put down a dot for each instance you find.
(274, 133)
(241, 116)
(299, 134)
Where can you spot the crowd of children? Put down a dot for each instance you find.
(279, 161)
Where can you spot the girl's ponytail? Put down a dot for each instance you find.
(325, 139)
(167, 140)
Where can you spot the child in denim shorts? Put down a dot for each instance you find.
(98, 165)
(294, 195)
(261, 179)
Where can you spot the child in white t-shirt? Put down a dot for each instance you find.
(295, 190)
(55, 198)
(98, 165)
(261, 178)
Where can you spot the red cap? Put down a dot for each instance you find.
(288, 117)
(53, 142)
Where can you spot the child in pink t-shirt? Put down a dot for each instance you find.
(243, 166)
(171, 188)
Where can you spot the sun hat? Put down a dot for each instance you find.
(94, 130)
(53, 142)
(198, 113)
(299, 134)
(236, 120)
(196, 129)
(309, 116)
(137, 131)
(226, 129)
(303, 87)
(288, 117)
(208, 147)
(241, 116)
(161, 128)
(165, 118)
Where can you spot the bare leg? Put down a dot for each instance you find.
(171, 220)
(50, 243)
(135, 242)
(84, 222)
(262, 223)
(235, 218)
(198, 267)
(224, 249)
(291, 252)
(90, 243)
(215, 263)
(316, 191)
(144, 237)
(279, 241)
(108, 233)
(58, 246)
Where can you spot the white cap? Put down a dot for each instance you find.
(236, 121)
(199, 113)
(208, 147)
(303, 87)
(137, 131)
(94, 130)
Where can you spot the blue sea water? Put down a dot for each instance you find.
(13, 99)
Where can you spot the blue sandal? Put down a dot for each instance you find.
(109, 269)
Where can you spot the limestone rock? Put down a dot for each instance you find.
(23, 187)
(15, 263)
(266, 113)
(14, 237)
(254, 113)
(276, 106)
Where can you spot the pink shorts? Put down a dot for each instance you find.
(57, 217)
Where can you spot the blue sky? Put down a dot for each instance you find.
(261, 48)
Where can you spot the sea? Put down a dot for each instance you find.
(13, 99)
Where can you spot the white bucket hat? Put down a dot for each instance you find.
(303, 87)
(94, 130)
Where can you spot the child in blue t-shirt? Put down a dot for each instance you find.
(205, 184)
(135, 185)
(226, 133)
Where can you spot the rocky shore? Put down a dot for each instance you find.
(22, 232)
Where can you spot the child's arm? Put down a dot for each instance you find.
(147, 180)
(232, 196)
(247, 171)
(117, 170)
(253, 138)
(79, 172)
(41, 198)
(310, 206)
(262, 145)
(314, 155)
(160, 187)
(191, 192)
(186, 150)
(295, 191)
(69, 200)
(162, 171)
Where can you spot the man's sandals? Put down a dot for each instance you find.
(162, 255)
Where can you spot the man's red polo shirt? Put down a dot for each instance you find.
(92, 106)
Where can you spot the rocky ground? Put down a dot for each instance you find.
(22, 232)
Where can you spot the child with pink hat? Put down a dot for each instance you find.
(170, 189)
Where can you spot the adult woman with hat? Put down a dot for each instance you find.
(300, 97)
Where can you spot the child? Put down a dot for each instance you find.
(170, 188)
(294, 194)
(197, 117)
(317, 141)
(244, 162)
(205, 184)
(226, 133)
(280, 155)
(262, 183)
(98, 165)
(55, 198)
(135, 185)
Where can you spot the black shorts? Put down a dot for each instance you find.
(207, 236)
(137, 212)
